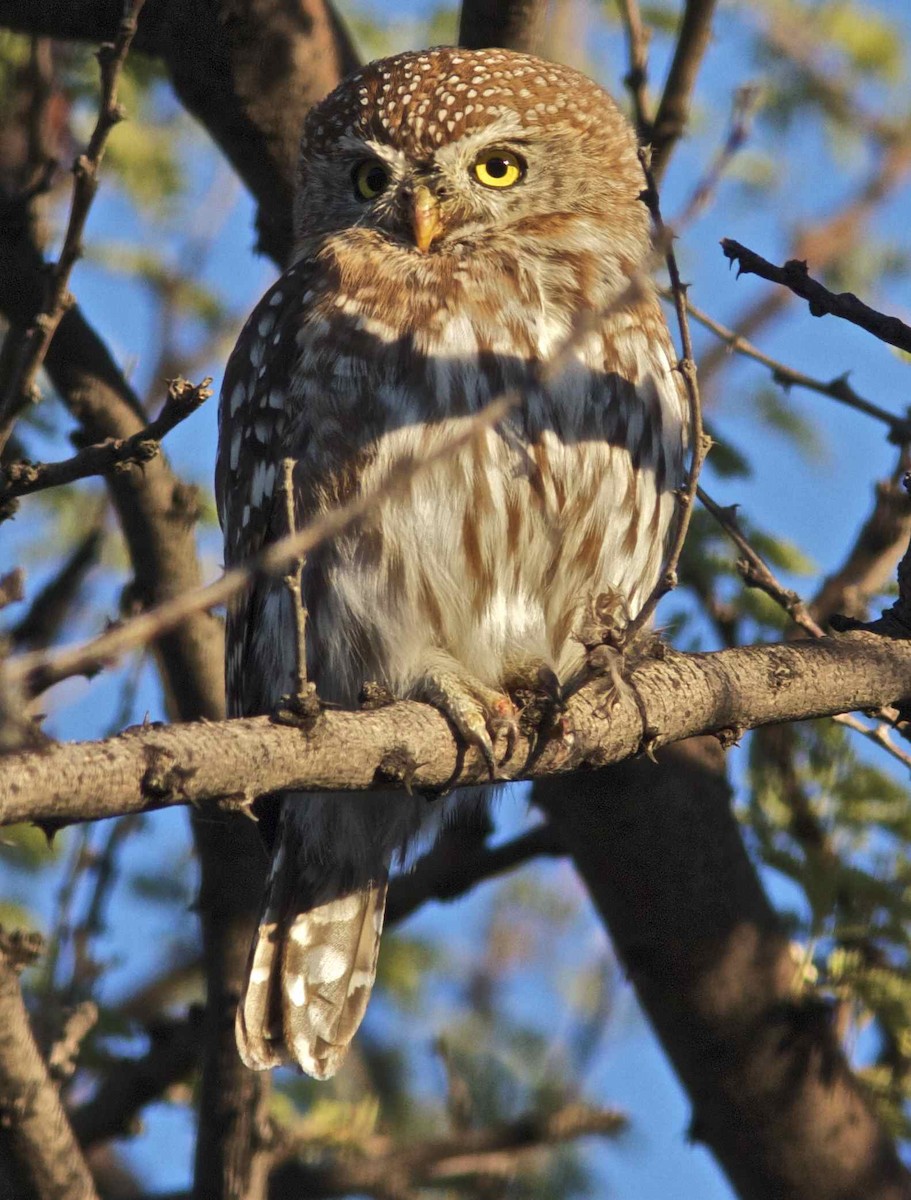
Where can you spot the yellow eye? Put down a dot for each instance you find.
(499, 169)
(370, 178)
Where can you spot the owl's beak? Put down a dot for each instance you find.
(425, 218)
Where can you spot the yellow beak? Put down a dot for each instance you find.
(425, 218)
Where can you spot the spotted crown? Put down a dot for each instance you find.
(420, 101)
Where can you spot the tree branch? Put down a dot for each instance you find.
(394, 1173)
(42, 620)
(674, 108)
(247, 72)
(683, 695)
(512, 24)
(17, 390)
(457, 864)
(132, 1083)
(24, 478)
(825, 242)
(795, 276)
(836, 389)
(32, 1121)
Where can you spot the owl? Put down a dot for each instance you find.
(456, 212)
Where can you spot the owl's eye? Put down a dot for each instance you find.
(498, 169)
(370, 178)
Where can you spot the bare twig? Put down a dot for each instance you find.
(32, 1120)
(23, 478)
(827, 241)
(837, 389)
(795, 276)
(292, 582)
(878, 734)
(743, 109)
(699, 443)
(19, 388)
(756, 572)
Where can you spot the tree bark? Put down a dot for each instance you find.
(773, 1097)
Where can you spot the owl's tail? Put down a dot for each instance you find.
(311, 968)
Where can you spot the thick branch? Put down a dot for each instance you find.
(248, 72)
(674, 108)
(32, 1121)
(772, 1094)
(456, 865)
(870, 562)
(681, 694)
(512, 24)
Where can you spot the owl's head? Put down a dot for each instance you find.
(446, 148)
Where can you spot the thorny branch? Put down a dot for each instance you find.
(699, 443)
(837, 389)
(795, 276)
(23, 478)
(757, 573)
(19, 389)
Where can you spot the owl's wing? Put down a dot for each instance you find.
(253, 441)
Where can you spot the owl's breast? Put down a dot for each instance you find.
(488, 555)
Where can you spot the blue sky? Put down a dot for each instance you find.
(818, 504)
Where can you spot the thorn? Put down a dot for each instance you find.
(50, 829)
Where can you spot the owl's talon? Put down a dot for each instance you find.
(480, 714)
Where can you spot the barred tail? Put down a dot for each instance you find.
(311, 969)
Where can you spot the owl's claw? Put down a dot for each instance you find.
(480, 714)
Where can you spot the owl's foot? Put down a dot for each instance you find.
(538, 695)
(480, 714)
